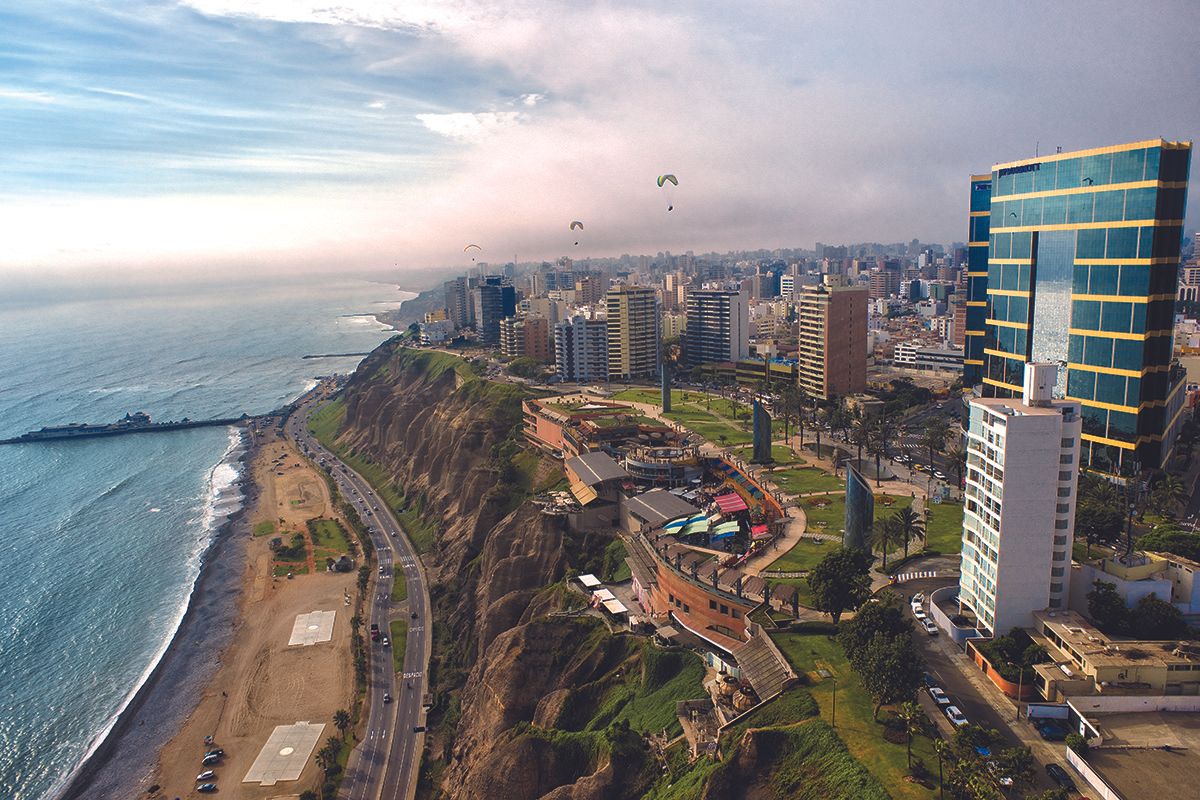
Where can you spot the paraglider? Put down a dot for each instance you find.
(468, 248)
(663, 180)
(576, 225)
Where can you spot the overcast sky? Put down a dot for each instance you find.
(278, 134)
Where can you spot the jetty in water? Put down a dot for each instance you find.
(336, 355)
(130, 423)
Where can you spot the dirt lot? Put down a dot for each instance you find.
(262, 682)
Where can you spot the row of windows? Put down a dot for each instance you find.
(978, 229)
(981, 195)
(1098, 351)
(721, 608)
(1010, 308)
(1005, 370)
(1113, 389)
(1139, 242)
(1009, 277)
(1124, 279)
(1110, 316)
(1011, 340)
(1118, 425)
(675, 601)
(1126, 166)
(1073, 209)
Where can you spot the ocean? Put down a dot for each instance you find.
(101, 539)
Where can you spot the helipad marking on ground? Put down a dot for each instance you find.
(311, 628)
(285, 753)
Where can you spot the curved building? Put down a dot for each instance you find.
(860, 510)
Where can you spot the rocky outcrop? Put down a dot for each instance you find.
(449, 440)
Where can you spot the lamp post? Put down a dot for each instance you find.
(833, 716)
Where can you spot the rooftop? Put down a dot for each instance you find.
(1101, 650)
(596, 467)
(658, 506)
(1014, 407)
(1133, 762)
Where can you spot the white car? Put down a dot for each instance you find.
(929, 627)
(939, 695)
(919, 614)
(955, 716)
(917, 598)
(941, 476)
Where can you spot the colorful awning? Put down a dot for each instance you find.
(759, 531)
(700, 526)
(727, 527)
(730, 503)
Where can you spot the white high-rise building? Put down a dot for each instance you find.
(1019, 510)
(581, 349)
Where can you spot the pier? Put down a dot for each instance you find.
(86, 431)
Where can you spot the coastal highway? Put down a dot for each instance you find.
(385, 765)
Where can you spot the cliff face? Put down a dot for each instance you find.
(447, 440)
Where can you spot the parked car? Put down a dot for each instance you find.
(928, 680)
(1060, 776)
(1050, 730)
(929, 627)
(941, 476)
(216, 751)
(919, 614)
(208, 774)
(210, 761)
(939, 695)
(919, 597)
(955, 716)
(206, 788)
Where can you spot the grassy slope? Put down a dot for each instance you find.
(863, 736)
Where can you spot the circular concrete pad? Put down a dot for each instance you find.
(287, 751)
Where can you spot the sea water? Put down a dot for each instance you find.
(101, 539)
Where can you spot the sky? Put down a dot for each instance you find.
(203, 136)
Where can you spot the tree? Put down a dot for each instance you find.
(883, 534)
(1170, 539)
(1077, 743)
(883, 431)
(909, 527)
(341, 720)
(890, 670)
(860, 434)
(958, 459)
(1096, 522)
(913, 717)
(935, 437)
(525, 367)
(1106, 607)
(841, 581)
(1152, 618)
(1170, 491)
(886, 617)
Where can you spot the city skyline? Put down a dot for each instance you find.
(375, 135)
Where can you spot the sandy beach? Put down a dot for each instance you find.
(261, 681)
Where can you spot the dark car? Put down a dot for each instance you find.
(210, 760)
(1060, 776)
(419, 729)
(206, 788)
(387, 698)
(215, 752)
(413, 615)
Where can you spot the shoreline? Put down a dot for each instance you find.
(186, 661)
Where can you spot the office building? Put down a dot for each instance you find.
(833, 340)
(885, 282)
(581, 350)
(1083, 254)
(633, 332)
(1019, 510)
(494, 299)
(718, 327)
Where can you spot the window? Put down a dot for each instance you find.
(1056, 587)
(1065, 476)
(670, 598)
(737, 614)
(724, 608)
(1055, 602)
(1060, 524)
(686, 608)
(1068, 443)
(712, 605)
(1057, 572)
(1064, 491)
(1059, 555)
(1060, 541)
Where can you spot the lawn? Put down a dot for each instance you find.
(804, 555)
(805, 480)
(945, 527)
(264, 528)
(782, 454)
(328, 533)
(399, 585)
(296, 568)
(829, 519)
(399, 631)
(863, 736)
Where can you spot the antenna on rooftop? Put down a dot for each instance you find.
(1037, 148)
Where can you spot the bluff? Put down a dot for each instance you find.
(529, 701)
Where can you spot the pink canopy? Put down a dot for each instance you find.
(758, 531)
(731, 502)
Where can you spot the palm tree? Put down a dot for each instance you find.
(958, 457)
(341, 720)
(882, 535)
(913, 717)
(935, 438)
(1170, 491)
(860, 433)
(909, 526)
(875, 447)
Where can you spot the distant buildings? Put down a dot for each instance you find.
(525, 337)
(1083, 252)
(833, 340)
(494, 299)
(460, 305)
(633, 332)
(718, 326)
(910, 355)
(581, 350)
(1019, 510)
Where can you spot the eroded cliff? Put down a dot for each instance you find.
(514, 677)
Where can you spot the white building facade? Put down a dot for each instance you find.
(1019, 510)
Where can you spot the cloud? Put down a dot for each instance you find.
(26, 96)
(531, 99)
(467, 126)
(377, 105)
